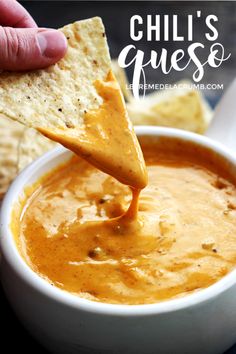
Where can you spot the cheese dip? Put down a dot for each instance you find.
(74, 229)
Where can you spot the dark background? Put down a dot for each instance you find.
(116, 17)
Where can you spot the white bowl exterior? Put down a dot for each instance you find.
(204, 322)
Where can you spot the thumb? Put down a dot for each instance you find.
(30, 48)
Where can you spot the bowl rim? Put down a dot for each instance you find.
(25, 273)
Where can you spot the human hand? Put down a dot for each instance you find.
(24, 46)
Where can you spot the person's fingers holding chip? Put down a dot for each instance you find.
(31, 48)
(23, 46)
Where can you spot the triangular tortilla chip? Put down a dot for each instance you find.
(75, 102)
(10, 134)
(31, 146)
(182, 108)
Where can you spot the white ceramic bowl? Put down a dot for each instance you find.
(201, 323)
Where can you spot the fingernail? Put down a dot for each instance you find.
(52, 43)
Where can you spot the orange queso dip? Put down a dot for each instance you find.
(73, 231)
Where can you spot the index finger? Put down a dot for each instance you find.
(14, 15)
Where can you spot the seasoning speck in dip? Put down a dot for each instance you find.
(74, 229)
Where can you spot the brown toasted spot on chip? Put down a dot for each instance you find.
(70, 125)
(77, 36)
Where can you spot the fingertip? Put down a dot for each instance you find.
(52, 44)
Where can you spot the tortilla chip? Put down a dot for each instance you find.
(31, 146)
(59, 95)
(56, 100)
(10, 135)
(182, 108)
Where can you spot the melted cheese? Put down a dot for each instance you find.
(78, 231)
